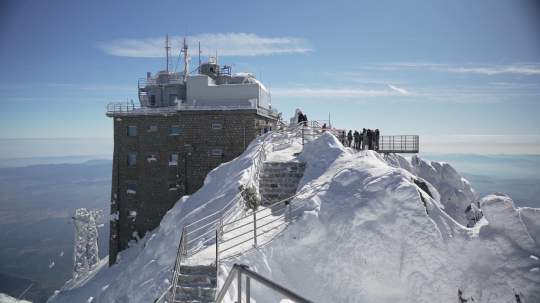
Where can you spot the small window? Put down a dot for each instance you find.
(152, 100)
(172, 100)
(131, 188)
(152, 158)
(132, 159)
(211, 69)
(217, 152)
(172, 186)
(132, 213)
(175, 129)
(216, 126)
(152, 128)
(173, 158)
(132, 131)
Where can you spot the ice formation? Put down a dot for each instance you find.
(395, 230)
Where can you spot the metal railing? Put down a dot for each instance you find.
(193, 240)
(275, 210)
(239, 270)
(397, 144)
(128, 109)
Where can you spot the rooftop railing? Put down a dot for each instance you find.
(126, 108)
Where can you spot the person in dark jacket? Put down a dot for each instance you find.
(349, 137)
(342, 138)
(356, 140)
(377, 139)
(300, 118)
(370, 139)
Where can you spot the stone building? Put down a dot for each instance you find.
(186, 125)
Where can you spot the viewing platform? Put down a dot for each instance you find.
(115, 109)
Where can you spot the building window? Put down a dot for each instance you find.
(216, 126)
(151, 158)
(132, 213)
(131, 188)
(152, 100)
(172, 186)
(152, 128)
(175, 129)
(172, 100)
(173, 159)
(132, 159)
(132, 131)
(217, 152)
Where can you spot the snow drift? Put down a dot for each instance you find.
(375, 230)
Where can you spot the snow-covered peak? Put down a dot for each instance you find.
(373, 230)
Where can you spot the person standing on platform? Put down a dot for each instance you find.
(342, 138)
(370, 139)
(356, 140)
(377, 139)
(349, 137)
(324, 128)
(363, 139)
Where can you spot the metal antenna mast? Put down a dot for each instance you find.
(86, 256)
(168, 50)
(187, 57)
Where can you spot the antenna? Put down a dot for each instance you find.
(187, 57)
(167, 48)
(200, 57)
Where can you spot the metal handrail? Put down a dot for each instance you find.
(239, 270)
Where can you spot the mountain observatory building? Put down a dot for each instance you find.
(186, 125)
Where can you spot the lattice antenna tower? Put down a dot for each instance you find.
(168, 50)
(187, 57)
(86, 255)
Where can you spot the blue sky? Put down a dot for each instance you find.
(465, 75)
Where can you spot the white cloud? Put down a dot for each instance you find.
(401, 90)
(497, 69)
(328, 92)
(485, 69)
(231, 44)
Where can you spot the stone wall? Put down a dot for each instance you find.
(159, 182)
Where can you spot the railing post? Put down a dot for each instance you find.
(184, 238)
(248, 290)
(239, 285)
(255, 227)
(302, 135)
(221, 221)
(217, 251)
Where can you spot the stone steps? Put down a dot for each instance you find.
(279, 180)
(196, 284)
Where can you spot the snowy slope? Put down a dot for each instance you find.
(7, 299)
(371, 233)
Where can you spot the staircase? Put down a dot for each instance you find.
(280, 180)
(196, 284)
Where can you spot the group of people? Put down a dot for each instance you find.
(369, 138)
(302, 119)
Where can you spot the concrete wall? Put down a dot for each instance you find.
(153, 197)
(198, 88)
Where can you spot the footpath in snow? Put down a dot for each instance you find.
(373, 230)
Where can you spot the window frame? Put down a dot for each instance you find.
(171, 130)
(130, 158)
(134, 128)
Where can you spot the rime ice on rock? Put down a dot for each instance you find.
(86, 255)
